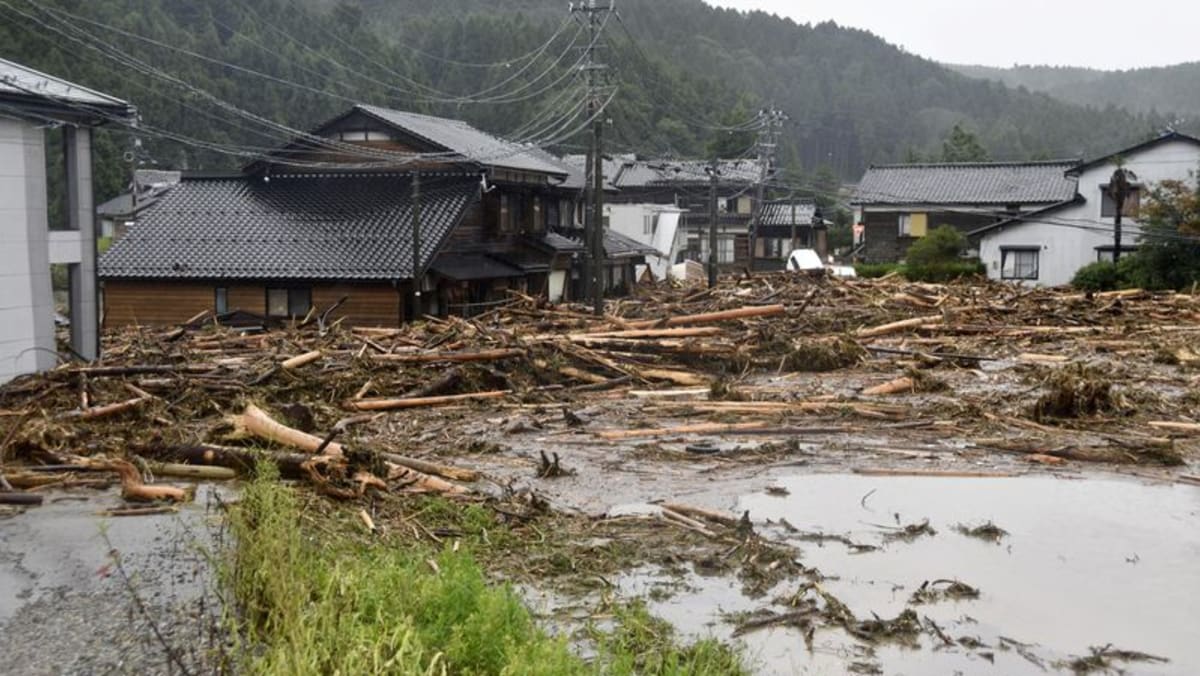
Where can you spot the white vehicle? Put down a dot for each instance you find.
(804, 260)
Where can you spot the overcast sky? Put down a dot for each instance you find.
(1099, 34)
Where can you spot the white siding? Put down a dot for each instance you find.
(1070, 241)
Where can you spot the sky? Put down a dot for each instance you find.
(1098, 34)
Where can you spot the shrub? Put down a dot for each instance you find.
(944, 244)
(1099, 276)
(875, 270)
(943, 272)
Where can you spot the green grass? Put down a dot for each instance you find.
(313, 599)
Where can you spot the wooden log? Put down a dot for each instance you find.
(658, 345)
(420, 481)
(896, 327)
(455, 473)
(301, 360)
(1034, 358)
(689, 332)
(240, 460)
(1178, 427)
(20, 498)
(419, 402)
(205, 472)
(132, 486)
(580, 374)
(684, 378)
(903, 384)
(456, 357)
(256, 422)
(702, 428)
(103, 411)
(688, 393)
(713, 317)
(700, 512)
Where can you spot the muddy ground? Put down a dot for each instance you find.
(875, 477)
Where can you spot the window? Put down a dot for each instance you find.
(1108, 206)
(1019, 263)
(293, 302)
(773, 247)
(725, 250)
(552, 214)
(647, 224)
(221, 300)
(1104, 254)
(913, 225)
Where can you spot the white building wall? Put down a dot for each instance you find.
(26, 300)
(1075, 233)
(630, 220)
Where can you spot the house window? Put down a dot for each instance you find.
(772, 247)
(913, 225)
(1108, 206)
(647, 224)
(552, 214)
(290, 302)
(1104, 254)
(221, 301)
(1019, 263)
(725, 250)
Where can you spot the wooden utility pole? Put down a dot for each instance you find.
(1118, 188)
(769, 120)
(596, 13)
(713, 174)
(417, 273)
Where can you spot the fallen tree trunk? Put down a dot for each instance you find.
(699, 512)
(20, 498)
(418, 402)
(300, 360)
(455, 473)
(713, 317)
(904, 384)
(457, 357)
(256, 422)
(132, 486)
(103, 411)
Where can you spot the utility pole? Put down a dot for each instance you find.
(1119, 188)
(417, 273)
(713, 174)
(769, 122)
(595, 13)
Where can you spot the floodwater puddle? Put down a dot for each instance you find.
(1069, 565)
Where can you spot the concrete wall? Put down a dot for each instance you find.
(1071, 239)
(26, 301)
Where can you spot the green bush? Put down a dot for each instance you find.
(1099, 276)
(944, 244)
(944, 271)
(875, 270)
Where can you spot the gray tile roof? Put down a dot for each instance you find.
(335, 226)
(968, 183)
(626, 171)
(21, 84)
(617, 245)
(467, 141)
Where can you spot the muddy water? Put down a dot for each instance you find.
(1086, 563)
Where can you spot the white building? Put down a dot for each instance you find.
(1047, 247)
(35, 107)
(655, 225)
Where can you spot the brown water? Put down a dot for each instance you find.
(1086, 563)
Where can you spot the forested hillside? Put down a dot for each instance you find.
(682, 69)
(1172, 90)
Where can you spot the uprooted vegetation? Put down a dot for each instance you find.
(1078, 391)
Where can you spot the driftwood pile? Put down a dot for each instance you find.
(206, 398)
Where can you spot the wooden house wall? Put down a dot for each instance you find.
(157, 302)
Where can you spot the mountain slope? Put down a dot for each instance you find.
(1174, 90)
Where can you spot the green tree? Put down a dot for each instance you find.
(1168, 255)
(963, 146)
(729, 144)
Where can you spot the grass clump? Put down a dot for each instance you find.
(313, 597)
(1076, 392)
(818, 356)
(332, 605)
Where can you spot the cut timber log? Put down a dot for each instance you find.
(240, 460)
(104, 411)
(701, 513)
(1034, 358)
(896, 327)
(457, 357)
(20, 498)
(904, 384)
(419, 402)
(183, 471)
(713, 317)
(685, 378)
(1179, 427)
(301, 360)
(691, 332)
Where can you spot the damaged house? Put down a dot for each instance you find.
(314, 225)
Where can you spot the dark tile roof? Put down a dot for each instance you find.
(617, 245)
(467, 141)
(329, 226)
(627, 171)
(467, 267)
(560, 243)
(967, 183)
